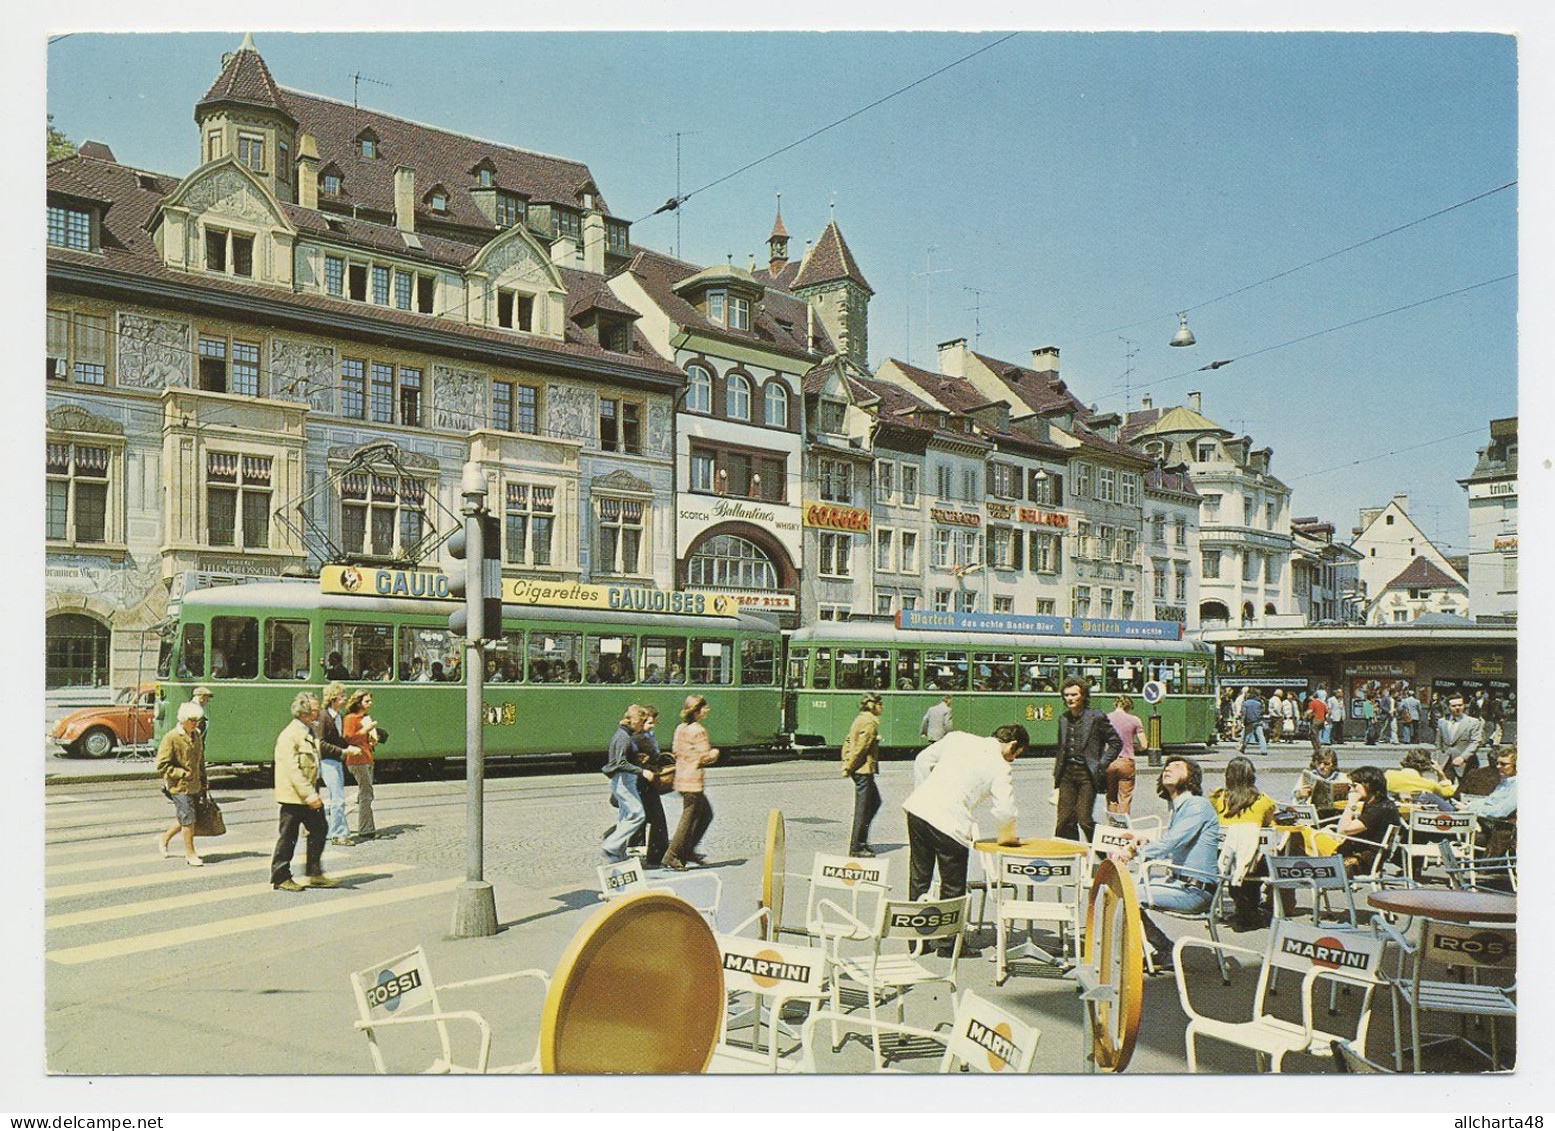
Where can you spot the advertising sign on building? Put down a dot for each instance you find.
(835, 516)
(955, 518)
(365, 581)
(931, 621)
(697, 513)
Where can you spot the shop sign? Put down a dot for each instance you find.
(248, 567)
(1506, 544)
(1037, 625)
(1487, 665)
(1000, 510)
(955, 518)
(1044, 518)
(699, 508)
(1402, 669)
(766, 601)
(833, 516)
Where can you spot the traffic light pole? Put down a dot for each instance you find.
(475, 915)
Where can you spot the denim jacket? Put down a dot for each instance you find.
(1191, 839)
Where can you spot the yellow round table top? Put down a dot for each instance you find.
(640, 989)
(1035, 846)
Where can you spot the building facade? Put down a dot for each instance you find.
(1492, 497)
(1388, 542)
(286, 357)
(1171, 546)
(1325, 579)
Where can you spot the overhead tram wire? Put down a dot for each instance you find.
(1385, 455)
(1314, 334)
(1300, 266)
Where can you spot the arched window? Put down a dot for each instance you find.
(1247, 612)
(699, 393)
(1214, 614)
(76, 650)
(737, 398)
(729, 561)
(1270, 610)
(775, 402)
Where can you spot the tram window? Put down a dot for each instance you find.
(1125, 675)
(165, 655)
(191, 652)
(663, 659)
(1195, 677)
(358, 652)
(712, 661)
(907, 670)
(428, 655)
(508, 660)
(758, 662)
(797, 659)
(286, 649)
(863, 669)
(1087, 668)
(993, 671)
(1168, 672)
(944, 671)
(820, 674)
(234, 647)
(553, 657)
(611, 659)
(1040, 673)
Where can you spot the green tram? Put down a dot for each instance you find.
(557, 683)
(993, 678)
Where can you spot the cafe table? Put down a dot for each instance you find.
(1041, 847)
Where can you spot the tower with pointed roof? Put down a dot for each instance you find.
(244, 115)
(829, 279)
(777, 242)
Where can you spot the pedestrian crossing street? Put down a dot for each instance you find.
(109, 894)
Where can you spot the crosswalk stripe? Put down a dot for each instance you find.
(319, 907)
(130, 855)
(174, 875)
(194, 899)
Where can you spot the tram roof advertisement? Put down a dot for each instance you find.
(366, 581)
(926, 620)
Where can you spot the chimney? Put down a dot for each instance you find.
(564, 251)
(307, 171)
(594, 242)
(1146, 402)
(1044, 359)
(1402, 502)
(405, 198)
(952, 357)
(1196, 402)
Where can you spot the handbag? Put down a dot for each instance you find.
(207, 817)
(664, 779)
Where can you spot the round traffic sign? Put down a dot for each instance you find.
(1154, 691)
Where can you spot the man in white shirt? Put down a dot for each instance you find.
(966, 771)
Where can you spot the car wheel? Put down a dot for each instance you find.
(96, 743)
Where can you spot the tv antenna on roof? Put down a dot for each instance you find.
(977, 294)
(357, 79)
(1130, 351)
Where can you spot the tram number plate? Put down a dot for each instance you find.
(1039, 712)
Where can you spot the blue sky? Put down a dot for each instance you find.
(1081, 181)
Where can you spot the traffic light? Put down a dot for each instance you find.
(481, 616)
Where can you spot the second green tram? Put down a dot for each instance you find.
(992, 679)
(558, 683)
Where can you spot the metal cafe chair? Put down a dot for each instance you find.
(1343, 956)
(1036, 889)
(400, 992)
(1470, 948)
(1159, 870)
(982, 1038)
(836, 880)
(1427, 831)
(628, 878)
(772, 974)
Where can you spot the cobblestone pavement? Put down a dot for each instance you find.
(138, 945)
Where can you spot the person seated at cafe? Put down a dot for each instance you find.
(1367, 816)
(1239, 802)
(1501, 802)
(1321, 784)
(1420, 781)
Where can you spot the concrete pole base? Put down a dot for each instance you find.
(475, 914)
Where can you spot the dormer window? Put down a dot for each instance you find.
(229, 252)
(367, 145)
(330, 184)
(485, 177)
(615, 335)
(515, 311)
(70, 227)
(510, 209)
(833, 417)
(733, 311)
(438, 201)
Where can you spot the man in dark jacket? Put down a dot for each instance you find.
(627, 778)
(1087, 745)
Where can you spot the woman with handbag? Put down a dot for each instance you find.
(362, 731)
(693, 750)
(181, 765)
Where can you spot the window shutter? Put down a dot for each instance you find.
(1017, 559)
(988, 553)
(989, 477)
(91, 339)
(1058, 555)
(1057, 480)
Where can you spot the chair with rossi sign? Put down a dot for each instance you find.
(401, 992)
(1036, 889)
(861, 884)
(1479, 873)
(1428, 831)
(1472, 950)
(1346, 957)
(884, 972)
(628, 877)
(982, 1038)
(773, 974)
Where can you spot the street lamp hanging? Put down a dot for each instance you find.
(1184, 336)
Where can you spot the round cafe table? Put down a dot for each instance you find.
(1447, 905)
(1034, 846)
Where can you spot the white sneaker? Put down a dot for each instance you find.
(194, 862)
(163, 848)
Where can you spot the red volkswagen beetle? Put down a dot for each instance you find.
(96, 732)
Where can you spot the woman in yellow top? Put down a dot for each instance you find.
(1419, 775)
(1238, 803)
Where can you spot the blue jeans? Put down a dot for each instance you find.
(1170, 896)
(334, 775)
(629, 815)
(1326, 734)
(1257, 732)
(866, 803)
